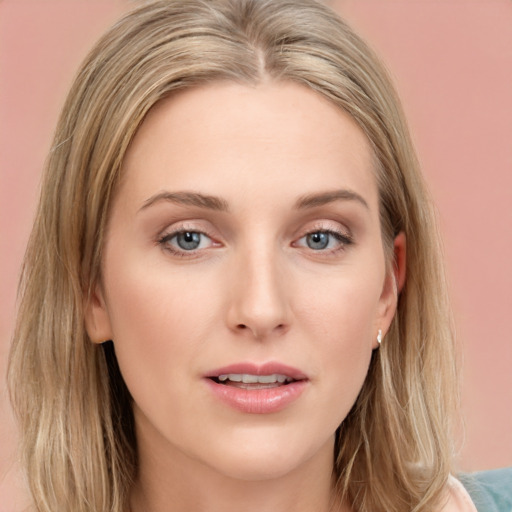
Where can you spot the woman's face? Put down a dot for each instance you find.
(243, 250)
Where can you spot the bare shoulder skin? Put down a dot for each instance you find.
(458, 498)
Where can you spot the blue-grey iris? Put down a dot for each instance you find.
(317, 241)
(188, 240)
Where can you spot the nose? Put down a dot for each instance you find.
(258, 305)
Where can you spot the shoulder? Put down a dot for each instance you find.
(457, 498)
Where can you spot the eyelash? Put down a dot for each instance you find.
(164, 240)
(343, 238)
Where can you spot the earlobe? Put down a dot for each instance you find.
(97, 320)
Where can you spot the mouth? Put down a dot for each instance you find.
(251, 381)
(257, 389)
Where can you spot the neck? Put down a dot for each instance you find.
(170, 481)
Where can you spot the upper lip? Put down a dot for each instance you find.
(269, 368)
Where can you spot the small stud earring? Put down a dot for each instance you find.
(379, 337)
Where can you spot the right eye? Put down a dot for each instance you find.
(186, 241)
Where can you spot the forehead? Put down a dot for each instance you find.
(273, 136)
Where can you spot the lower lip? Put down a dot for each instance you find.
(258, 401)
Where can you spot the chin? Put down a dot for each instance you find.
(257, 469)
(269, 458)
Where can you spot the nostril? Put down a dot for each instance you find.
(261, 333)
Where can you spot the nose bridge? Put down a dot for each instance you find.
(259, 302)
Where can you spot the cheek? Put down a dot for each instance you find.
(157, 319)
(341, 320)
(343, 308)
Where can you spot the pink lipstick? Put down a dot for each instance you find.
(257, 389)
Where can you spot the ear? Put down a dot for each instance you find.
(393, 284)
(97, 319)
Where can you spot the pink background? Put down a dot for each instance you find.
(452, 63)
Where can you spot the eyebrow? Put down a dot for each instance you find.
(323, 198)
(219, 204)
(188, 199)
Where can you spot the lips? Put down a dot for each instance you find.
(257, 389)
(269, 368)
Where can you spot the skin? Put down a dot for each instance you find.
(254, 291)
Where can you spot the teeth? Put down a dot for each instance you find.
(267, 379)
(247, 378)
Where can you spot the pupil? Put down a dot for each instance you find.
(318, 240)
(189, 240)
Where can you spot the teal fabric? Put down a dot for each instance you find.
(491, 491)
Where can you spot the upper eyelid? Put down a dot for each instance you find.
(325, 225)
(340, 232)
(174, 232)
(185, 225)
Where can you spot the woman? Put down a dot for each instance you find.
(214, 307)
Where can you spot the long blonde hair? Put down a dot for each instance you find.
(393, 450)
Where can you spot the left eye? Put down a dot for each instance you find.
(187, 240)
(321, 240)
